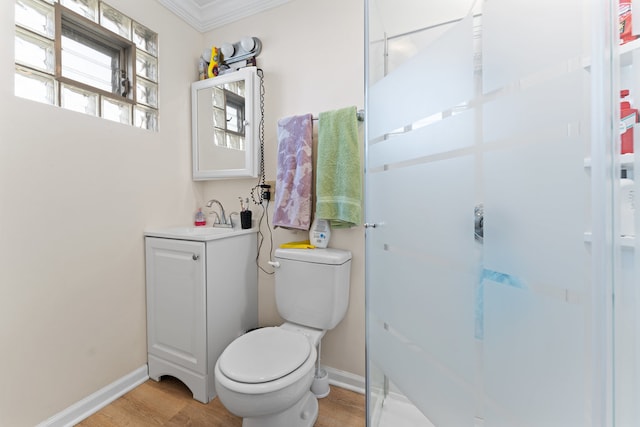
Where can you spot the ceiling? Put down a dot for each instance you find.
(206, 15)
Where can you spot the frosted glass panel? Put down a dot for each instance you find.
(452, 133)
(550, 108)
(429, 384)
(520, 38)
(430, 307)
(534, 220)
(434, 312)
(535, 310)
(536, 187)
(434, 200)
(534, 353)
(438, 78)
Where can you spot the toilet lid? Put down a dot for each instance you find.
(264, 355)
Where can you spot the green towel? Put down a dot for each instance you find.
(338, 173)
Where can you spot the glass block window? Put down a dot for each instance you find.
(145, 39)
(85, 8)
(34, 51)
(82, 101)
(146, 66)
(35, 16)
(147, 93)
(115, 21)
(146, 118)
(88, 57)
(117, 111)
(35, 86)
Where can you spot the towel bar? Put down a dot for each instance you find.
(360, 115)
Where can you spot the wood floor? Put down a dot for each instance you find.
(170, 403)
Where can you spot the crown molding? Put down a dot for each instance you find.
(208, 15)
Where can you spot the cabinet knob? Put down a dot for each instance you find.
(195, 257)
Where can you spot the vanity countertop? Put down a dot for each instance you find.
(202, 234)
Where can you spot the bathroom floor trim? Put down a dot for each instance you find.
(101, 398)
(345, 380)
(98, 400)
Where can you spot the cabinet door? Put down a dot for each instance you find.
(176, 302)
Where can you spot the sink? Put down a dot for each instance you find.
(196, 233)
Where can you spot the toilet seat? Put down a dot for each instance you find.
(264, 355)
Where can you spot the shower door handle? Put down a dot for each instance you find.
(478, 222)
(372, 224)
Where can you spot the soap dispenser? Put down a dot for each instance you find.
(200, 220)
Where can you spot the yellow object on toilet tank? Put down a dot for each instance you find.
(304, 244)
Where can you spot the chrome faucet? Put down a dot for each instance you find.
(221, 220)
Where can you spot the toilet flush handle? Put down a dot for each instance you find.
(274, 264)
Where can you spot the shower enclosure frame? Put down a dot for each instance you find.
(602, 63)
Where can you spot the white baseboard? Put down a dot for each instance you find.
(101, 398)
(98, 400)
(345, 380)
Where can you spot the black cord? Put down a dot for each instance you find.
(265, 214)
(257, 191)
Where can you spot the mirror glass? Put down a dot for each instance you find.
(224, 126)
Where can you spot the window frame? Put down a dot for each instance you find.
(96, 33)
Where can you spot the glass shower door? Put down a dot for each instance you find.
(483, 303)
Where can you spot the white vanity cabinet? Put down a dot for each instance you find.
(201, 295)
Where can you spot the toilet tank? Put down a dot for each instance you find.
(312, 286)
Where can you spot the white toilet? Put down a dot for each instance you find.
(265, 376)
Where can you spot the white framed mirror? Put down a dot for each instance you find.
(225, 120)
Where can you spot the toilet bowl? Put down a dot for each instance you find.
(265, 377)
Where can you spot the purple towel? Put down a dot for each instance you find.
(295, 173)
